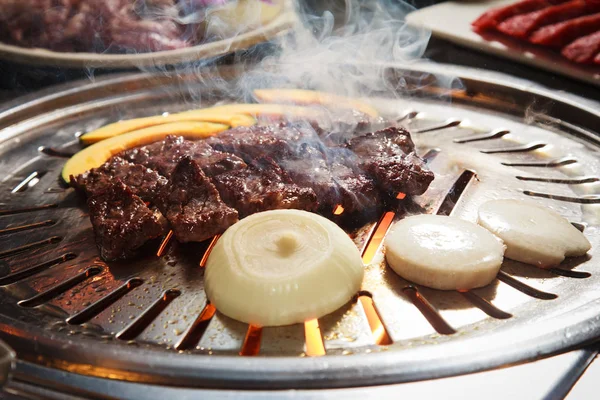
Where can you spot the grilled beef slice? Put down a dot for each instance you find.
(263, 186)
(192, 205)
(334, 176)
(122, 222)
(388, 156)
(142, 181)
(164, 156)
(258, 141)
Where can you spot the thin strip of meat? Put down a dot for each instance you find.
(521, 26)
(192, 204)
(263, 186)
(597, 59)
(563, 33)
(142, 181)
(491, 19)
(584, 49)
(122, 222)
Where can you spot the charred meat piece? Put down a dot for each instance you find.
(346, 124)
(389, 141)
(165, 155)
(334, 176)
(400, 173)
(142, 181)
(492, 18)
(122, 222)
(263, 186)
(254, 142)
(523, 25)
(563, 33)
(583, 49)
(192, 205)
(388, 156)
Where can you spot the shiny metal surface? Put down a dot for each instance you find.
(39, 257)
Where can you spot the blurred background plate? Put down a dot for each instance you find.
(243, 24)
(452, 21)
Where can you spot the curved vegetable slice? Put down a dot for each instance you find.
(311, 97)
(95, 155)
(279, 111)
(443, 252)
(282, 267)
(204, 115)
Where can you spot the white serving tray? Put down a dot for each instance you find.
(452, 21)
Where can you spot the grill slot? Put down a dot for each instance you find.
(377, 236)
(27, 272)
(408, 116)
(53, 152)
(378, 330)
(542, 164)
(569, 273)
(313, 338)
(164, 244)
(27, 209)
(30, 246)
(516, 149)
(485, 305)
(448, 124)
(27, 227)
(149, 315)
(252, 341)
(94, 309)
(204, 259)
(567, 181)
(528, 290)
(435, 319)
(430, 155)
(192, 336)
(592, 199)
(486, 136)
(455, 192)
(59, 289)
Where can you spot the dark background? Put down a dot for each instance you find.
(18, 79)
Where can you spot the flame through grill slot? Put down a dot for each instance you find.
(146, 318)
(94, 309)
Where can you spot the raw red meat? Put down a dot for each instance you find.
(492, 18)
(521, 26)
(583, 49)
(563, 33)
(597, 59)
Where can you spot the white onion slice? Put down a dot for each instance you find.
(282, 267)
(532, 234)
(442, 252)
